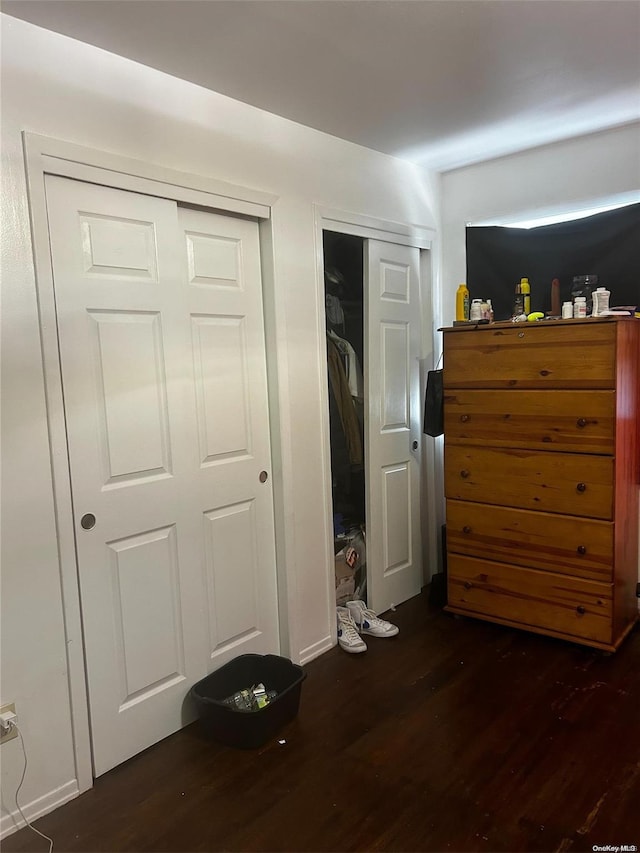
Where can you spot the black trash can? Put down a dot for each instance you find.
(249, 729)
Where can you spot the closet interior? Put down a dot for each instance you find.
(344, 304)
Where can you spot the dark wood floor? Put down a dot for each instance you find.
(457, 735)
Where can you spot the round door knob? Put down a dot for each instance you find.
(466, 529)
(581, 487)
(263, 476)
(415, 445)
(464, 418)
(581, 549)
(581, 422)
(580, 609)
(467, 585)
(464, 473)
(88, 521)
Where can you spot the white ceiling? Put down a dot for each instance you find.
(441, 82)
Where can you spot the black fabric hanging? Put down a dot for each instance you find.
(606, 244)
(434, 403)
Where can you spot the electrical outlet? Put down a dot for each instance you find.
(13, 732)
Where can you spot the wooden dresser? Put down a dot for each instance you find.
(542, 474)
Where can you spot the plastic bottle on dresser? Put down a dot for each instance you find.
(525, 290)
(462, 303)
(567, 310)
(476, 310)
(518, 302)
(600, 301)
(580, 307)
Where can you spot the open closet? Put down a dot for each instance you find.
(344, 311)
(373, 335)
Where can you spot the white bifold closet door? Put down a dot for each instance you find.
(392, 341)
(162, 355)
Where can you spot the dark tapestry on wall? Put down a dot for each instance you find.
(606, 244)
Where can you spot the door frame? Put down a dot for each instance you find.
(404, 234)
(47, 156)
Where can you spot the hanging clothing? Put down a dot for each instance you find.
(353, 369)
(333, 306)
(340, 462)
(344, 401)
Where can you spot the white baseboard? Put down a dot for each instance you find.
(316, 649)
(12, 822)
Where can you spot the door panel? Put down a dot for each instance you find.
(396, 501)
(233, 596)
(222, 258)
(393, 467)
(221, 385)
(148, 616)
(164, 438)
(395, 398)
(133, 416)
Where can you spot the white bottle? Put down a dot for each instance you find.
(580, 307)
(567, 310)
(600, 301)
(476, 310)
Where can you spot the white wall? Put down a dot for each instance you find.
(565, 176)
(64, 89)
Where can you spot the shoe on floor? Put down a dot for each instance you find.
(367, 622)
(348, 636)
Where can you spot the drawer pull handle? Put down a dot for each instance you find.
(581, 610)
(464, 473)
(581, 549)
(466, 529)
(581, 487)
(581, 422)
(467, 585)
(464, 418)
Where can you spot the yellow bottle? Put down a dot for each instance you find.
(525, 290)
(462, 303)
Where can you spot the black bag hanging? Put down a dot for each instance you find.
(434, 403)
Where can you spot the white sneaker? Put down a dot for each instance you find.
(367, 622)
(348, 636)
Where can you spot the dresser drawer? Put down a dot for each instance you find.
(543, 600)
(553, 482)
(580, 355)
(564, 544)
(576, 421)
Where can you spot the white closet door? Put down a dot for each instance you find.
(392, 324)
(168, 566)
(234, 493)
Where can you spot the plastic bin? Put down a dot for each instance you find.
(249, 729)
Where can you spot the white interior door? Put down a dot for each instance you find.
(393, 435)
(163, 369)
